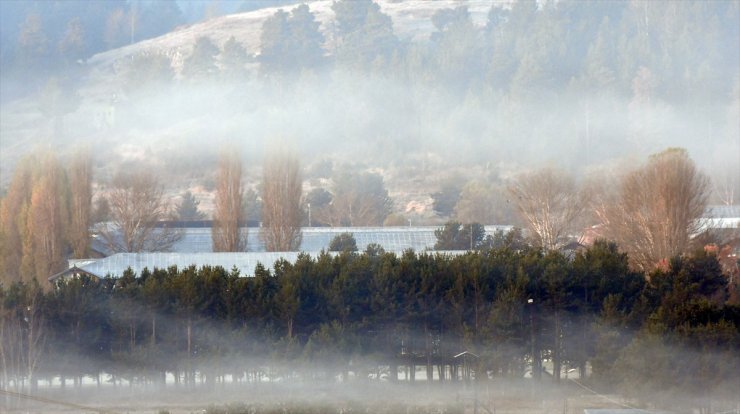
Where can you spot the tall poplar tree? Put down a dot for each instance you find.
(281, 202)
(46, 221)
(229, 214)
(80, 203)
(12, 222)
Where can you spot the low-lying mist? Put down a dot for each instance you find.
(334, 381)
(530, 328)
(351, 114)
(387, 122)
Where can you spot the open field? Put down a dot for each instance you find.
(499, 397)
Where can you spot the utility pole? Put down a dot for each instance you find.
(536, 372)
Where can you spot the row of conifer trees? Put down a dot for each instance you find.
(324, 316)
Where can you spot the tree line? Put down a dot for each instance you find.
(48, 215)
(672, 331)
(45, 217)
(654, 212)
(609, 43)
(604, 50)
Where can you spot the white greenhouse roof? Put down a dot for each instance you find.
(417, 238)
(723, 212)
(621, 411)
(116, 264)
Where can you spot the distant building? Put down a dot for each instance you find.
(722, 217)
(723, 223)
(621, 411)
(195, 247)
(196, 238)
(245, 263)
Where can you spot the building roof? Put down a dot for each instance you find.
(466, 354)
(620, 411)
(116, 264)
(722, 217)
(723, 211)
(246, 262)
(72, 272)
(418, 238)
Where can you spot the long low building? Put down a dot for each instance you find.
(115, 265)
(722, 217)
(621, 411)
(314, 239)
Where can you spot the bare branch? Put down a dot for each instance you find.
(549, 203)
(137, 203)
(657, 208)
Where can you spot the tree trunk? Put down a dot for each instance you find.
(190, 379)
(132, 336)
(154, 330)
(430, 370)
(556, 357)
(536, 360)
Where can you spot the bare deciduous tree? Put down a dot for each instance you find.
(137, 204)
(80, 185)
(483, 202)
(358, 199)
(281, 203)
(229, 214)
(46, 221)
(549, 202)
(656, 208)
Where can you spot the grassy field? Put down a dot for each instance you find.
(496, 397)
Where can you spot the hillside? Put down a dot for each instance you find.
(411, 21)
(24, 126)
(451, 93)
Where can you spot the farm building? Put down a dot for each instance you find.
(621, 411)
(195, 247)
(315, 239)
(722, 217)
(245, 263)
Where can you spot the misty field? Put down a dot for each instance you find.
(510, 397)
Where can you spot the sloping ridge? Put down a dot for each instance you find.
(411, 20)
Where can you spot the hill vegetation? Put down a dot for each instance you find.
(574, 83)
